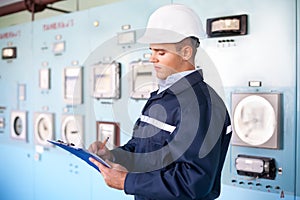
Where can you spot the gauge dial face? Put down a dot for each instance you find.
(254, 120)
(44, 130)
(71, 132)
(18, 126)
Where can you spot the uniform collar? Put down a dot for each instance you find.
(181, 85)
(170, 80)
(186, 82)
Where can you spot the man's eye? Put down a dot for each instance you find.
(161, 53)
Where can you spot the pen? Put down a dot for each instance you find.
(104, 143)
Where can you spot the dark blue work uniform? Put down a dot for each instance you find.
(179, 144)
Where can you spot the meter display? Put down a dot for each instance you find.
(106, 81)
(227, 26)
(18, 125)
(9, 53)
(43, 128)
(72, 85)
(256, 120)
(126, 37)
(72, 129)
(44, 79)
(143, 80)
(58, 47)
(110, 131)
(254, 166)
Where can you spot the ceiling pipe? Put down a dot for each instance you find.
(37, 6)
(12, 8)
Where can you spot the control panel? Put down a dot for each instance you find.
(83, 77)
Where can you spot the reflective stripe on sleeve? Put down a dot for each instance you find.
(158, 124)
(228, 130)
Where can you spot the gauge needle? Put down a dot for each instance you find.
(45, 127)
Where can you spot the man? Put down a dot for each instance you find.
(179, 143)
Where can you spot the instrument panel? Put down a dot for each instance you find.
(86, 78)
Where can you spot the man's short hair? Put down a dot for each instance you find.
(190, 41)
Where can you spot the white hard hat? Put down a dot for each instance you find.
(171, 24)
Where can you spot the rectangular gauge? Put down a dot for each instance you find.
(255, 166)
(143, 79)
(126, 37)
(58, 47)
(44, 79)
(22, 92)
(106, 80)
(72, 85)
(109, 131)
(227, 26)
(9, 53)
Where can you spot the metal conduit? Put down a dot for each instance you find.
(21, 6)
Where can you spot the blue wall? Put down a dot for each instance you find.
(269, 53)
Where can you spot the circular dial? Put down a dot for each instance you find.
(71, 132)
(18, 126)
(44, 130)
(254, 120)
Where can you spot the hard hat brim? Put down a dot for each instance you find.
(160, 36)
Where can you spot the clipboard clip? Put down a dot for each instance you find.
(65, 143)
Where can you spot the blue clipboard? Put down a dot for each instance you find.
(80, 153)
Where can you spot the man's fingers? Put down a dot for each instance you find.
(93, 148)
(116, 166)
(101, 152)
(109, 162)
(114, 177)
(98, 164)
(95, 162)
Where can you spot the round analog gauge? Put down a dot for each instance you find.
(254, 120)
(71, 133)
(18, 126)
(44, 129)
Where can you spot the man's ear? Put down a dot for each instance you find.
(186, 52)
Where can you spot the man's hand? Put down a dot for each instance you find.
(100, 150)
(115, 176)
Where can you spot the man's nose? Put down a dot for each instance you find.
(153, 58)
